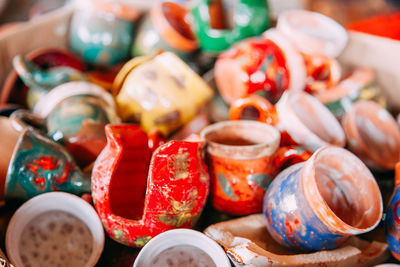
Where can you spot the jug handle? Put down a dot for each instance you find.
(266, 111)
(22, 118)
(289, 154)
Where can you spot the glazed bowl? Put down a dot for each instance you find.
(54, 201)
(181, 237)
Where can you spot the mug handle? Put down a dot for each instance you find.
(22, 119)
(316, 64)
(266, 111)
(289, 155)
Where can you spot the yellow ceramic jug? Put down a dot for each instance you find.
(160, 92)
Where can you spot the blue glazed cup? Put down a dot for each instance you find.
(318, 204)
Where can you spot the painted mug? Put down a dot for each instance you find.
(41, 81)
(243, 158)
(259, 66)
(392, 221)
(74, 114)
(101, 32)
(33, 164)
(318, 204)
(139, 195)
(165, 28)
(213, 29)
(373, 135)
(301, 118)
(160, 92)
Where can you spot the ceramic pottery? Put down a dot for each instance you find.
(373, 135)
(248, 243)
(321, 72)
(318, 204)
(259, 66)
(176, 178)
(313, 33)
(41, 81)
(161, 93)
(165, 28)
(243, 159)
(392, 221)
(214, 30)
(300, 117)
(14, 90)
(101, 32)
(359, 85)
(199, 248)
(75, 115)
(33, 164)
(53, 202)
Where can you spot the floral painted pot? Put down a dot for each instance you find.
(259, 66)
(318, 204)
(14, 90)
(250, 18)
(300, 117)
(359, 85)
(41, 81)
(373, 135)
(392, 221)
(176, 178)
(165, 28)
(33, 164)
(101, 32)
(74, 114)
(243, 158)
(162, 93)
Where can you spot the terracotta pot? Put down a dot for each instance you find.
(392, 221)
(318, 204)
(177, 185)
(373, 135)
(162, 93)
(300, 117)
(165, 28)
(244, 157)
(33, 164)
(14, 91)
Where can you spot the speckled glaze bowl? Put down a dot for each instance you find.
(318, 204)
(373, 135)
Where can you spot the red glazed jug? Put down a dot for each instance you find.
(176, 178)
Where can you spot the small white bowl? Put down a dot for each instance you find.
(178, 237)
(59, 201)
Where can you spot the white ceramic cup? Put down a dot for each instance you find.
(179, 237)
(58, 201)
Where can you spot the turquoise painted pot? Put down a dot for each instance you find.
(41, 81)
(37, 165)
(101, 36)
(250, 18)
(74, 115)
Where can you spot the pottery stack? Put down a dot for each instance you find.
(197, 115)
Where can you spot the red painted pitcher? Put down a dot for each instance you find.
(138, 195)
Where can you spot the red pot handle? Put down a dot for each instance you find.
(289, 155)
(266, 111)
